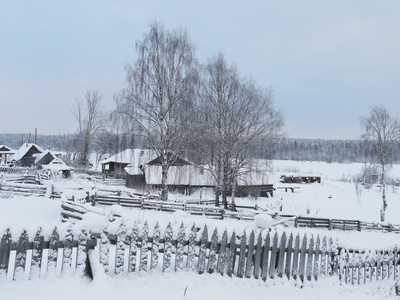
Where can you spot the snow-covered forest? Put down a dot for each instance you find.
(342, 151)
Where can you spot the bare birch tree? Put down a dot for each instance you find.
(383, 129)
(91, 120)
(238, 115)
(158, 100)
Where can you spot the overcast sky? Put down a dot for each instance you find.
(327, 62)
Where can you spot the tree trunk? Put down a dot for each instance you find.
(384, 202)
(233, 206)
(217, 194)
(164, 186)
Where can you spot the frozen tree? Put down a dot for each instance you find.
(158, 100)
(383, 129)
(91, 120)
(237, 116)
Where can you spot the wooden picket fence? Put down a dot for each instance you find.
(257, 255)
(137, 249)
(60, 254)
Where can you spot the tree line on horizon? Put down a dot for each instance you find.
(296, 149)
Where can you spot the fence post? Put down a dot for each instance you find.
(250, 255)
(303, 258)
(281, 255)
(316, 258)
(257, 260)
(20, 258)
(67, 253)
(202, 251)
(167, 249)
(191, 249)
(5, 248)
(37, 252)
(296, 257)
(231, 255)
(242, 256)
(179, 248)
(272, 265)
(264, 260)
(289, 256)
(222, 253)
(155, 249)
(212, 257)
(53, 253)
(310, 258)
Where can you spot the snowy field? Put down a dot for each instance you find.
(337, 196)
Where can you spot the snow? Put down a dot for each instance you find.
(335, 197)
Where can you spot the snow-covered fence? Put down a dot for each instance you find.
(264, 254)
(114, 181)
(24, 189)
(72, 211)
(358, 267)
(152, 204)
(342, 224)
(17, 170)
(62, 253)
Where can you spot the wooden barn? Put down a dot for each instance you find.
(183, 176)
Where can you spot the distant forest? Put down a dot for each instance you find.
(342, 151)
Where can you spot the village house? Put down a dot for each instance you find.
(128, 164)
(141, 168)
(6, 155)
(25, 156)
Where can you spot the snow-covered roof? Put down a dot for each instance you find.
(134, 157)
(20, 153)
(57, 165)
(39, 156)
(6, 149)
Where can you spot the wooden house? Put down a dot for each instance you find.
(6, 155)
(129, 164)
(25, 156)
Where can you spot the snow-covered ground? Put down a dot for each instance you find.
(335, 197)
